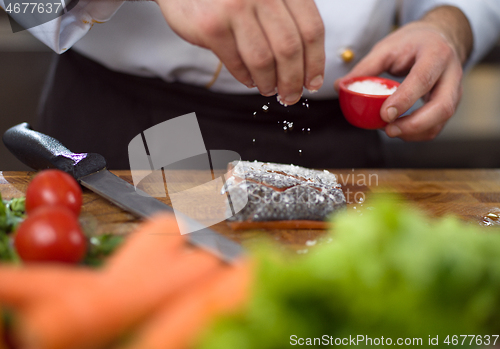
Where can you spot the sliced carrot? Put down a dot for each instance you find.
(156, 238)
(59, 307)
(180, 319)
(24, 286)
(149, 269)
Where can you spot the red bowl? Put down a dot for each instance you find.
(360, 109)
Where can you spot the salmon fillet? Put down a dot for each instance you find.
(282, 196)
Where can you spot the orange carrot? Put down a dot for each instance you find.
(149, 269)
(24, 286)
(157, 238)
(180, 319)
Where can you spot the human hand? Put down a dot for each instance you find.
(275, 45)
(431, 51)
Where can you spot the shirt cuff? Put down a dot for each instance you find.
(483, 16)
(63, 32)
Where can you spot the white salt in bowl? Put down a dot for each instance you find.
(362, 97)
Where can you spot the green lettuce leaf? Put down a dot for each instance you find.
(390, 272)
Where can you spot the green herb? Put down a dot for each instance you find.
(12, 212)
(7, 320)
(101, 247)
(7, 251)
(391, 272)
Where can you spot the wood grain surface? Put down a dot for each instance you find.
(473, 195)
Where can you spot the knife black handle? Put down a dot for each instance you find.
(40, 151)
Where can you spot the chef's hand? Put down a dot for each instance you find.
(276, 45)
(431, 51)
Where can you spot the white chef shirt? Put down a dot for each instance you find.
(136, 39)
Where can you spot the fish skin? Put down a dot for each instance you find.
(279, 192)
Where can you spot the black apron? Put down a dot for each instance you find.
(90, 108)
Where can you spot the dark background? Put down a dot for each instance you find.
(471, 138)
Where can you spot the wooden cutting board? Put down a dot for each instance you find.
(473, 195)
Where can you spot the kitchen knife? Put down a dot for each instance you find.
(40, 151)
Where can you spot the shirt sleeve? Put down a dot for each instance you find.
(483, 16)
(63, 32)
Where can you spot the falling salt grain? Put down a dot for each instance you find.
(305, 104)
(310, 243)
(265, 108)
(302, 251)
(278, 98)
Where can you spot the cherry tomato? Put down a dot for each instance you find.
(54, 188)
(50, 234)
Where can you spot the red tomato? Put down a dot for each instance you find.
(50, 234)
(54, 188)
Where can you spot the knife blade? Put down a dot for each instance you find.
(40, 151)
